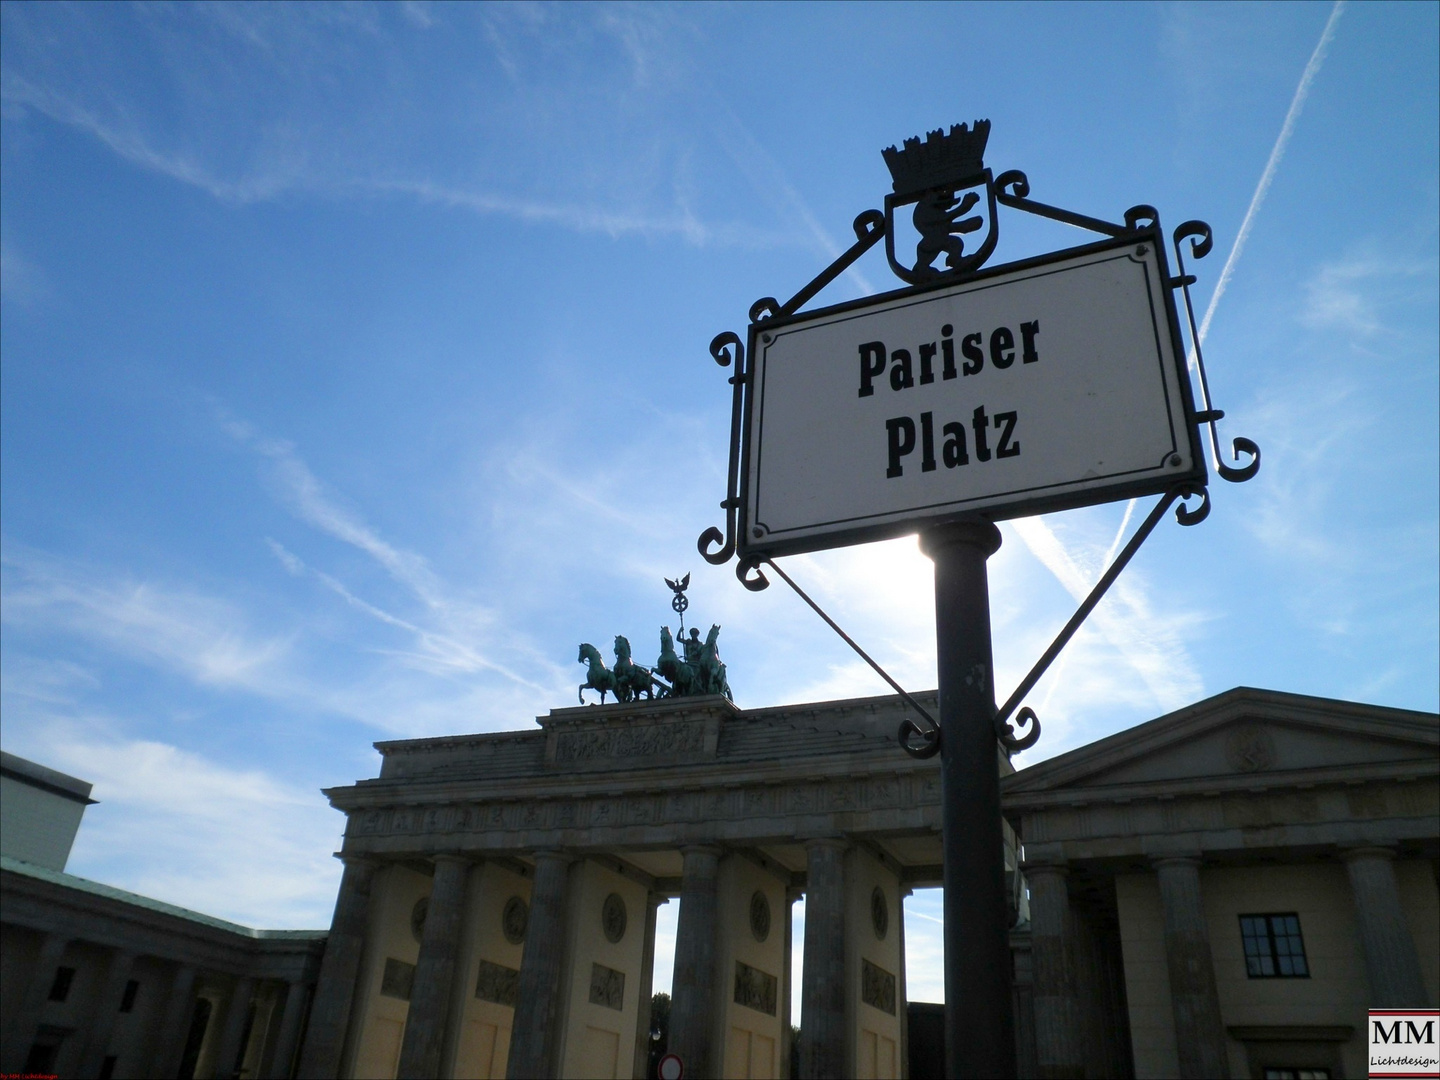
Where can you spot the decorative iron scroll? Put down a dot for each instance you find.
(955, 199)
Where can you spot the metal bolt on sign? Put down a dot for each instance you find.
(969, 395)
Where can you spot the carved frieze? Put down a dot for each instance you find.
(619, 743)
(497, 983)
(877, 987)
(398, 979)
(607, 987)
(554, 811)
(755, 989)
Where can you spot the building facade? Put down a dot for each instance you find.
(497, 913)
(99, 982)
(1226, 890)
(1222, 891)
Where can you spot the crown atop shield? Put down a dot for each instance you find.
(940, 159)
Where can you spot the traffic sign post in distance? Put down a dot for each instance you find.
(671, 1068)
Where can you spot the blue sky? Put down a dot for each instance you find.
(354, 369)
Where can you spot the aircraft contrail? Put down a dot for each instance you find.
(1276, 153)
(1302, 91)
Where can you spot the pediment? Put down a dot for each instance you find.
(1242, 736)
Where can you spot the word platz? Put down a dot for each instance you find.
(901, 432)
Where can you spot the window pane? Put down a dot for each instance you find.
(1273, 946)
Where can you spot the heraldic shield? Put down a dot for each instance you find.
(944, 178)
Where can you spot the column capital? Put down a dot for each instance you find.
(702, 849)
(1046, 868)
(1369, 851)
(839, 843)
(359, 862)
(553, 854)
(1178, 858)
(967, 532)
(452, 857)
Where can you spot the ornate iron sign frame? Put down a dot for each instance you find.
(934, 174)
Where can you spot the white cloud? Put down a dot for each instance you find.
(21, 281)
(1355, 293)
(199, 636)
(178, 827)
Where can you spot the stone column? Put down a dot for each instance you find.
(435, 971)
(229, 1048)
(335, 991)
(647, 988)
(692, 1004)
(903, 988)
(1199, 1032)
(1059, 1050)
(282, 1051)
(824, 1036)
(175, 1026)
(1392, 963)
(104, 1010)
(534, 1038)
(20, 1035)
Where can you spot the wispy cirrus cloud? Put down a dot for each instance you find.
(176, 825)
(460, 637)
(1356, 293)
(204, 638)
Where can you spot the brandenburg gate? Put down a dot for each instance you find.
(497, 911)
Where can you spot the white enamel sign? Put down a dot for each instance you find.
(1028, 389)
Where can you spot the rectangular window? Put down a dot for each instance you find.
(127, 1003)
(1274, 948)
(60, 988)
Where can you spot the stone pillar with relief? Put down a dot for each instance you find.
(1194, 999)
(538, 1000)
(824, 1034)
(430, 999)
(335, 991)
(692, 1006)
(1059, 1051)
(1392, 964)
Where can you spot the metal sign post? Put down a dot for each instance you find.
(979, 1025)
(969, 396)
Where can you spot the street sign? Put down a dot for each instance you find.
(670, 1068)
(975, 394)
(1053, 383)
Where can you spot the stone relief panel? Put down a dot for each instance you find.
(879, 913)
(654, 740)
(497, 983)
(759, 916)
(715, 804)
(514, 920)
(1249, 748)
(607, 987)
(398, 979)
(613, 918)
(877, 987)
(755, 989)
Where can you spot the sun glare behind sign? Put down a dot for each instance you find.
(1054, 383)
